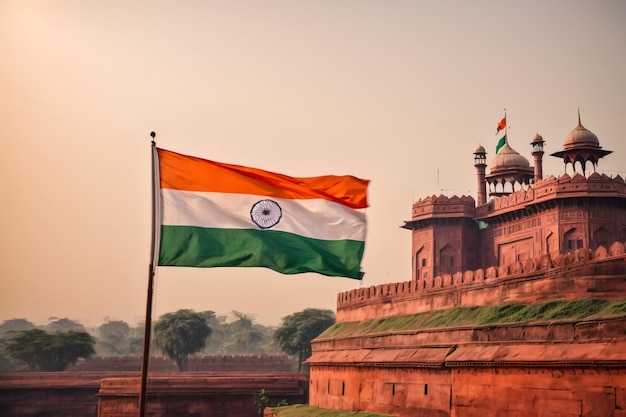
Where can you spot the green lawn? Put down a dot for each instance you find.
(582, 308)
(302, 410)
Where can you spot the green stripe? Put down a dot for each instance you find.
(501, 143)
(283, 252)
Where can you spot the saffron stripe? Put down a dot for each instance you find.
(182, 172)
(319, 219)
(283, 252)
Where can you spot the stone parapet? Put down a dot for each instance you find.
(551, 188)
(583, 274)
(442, 207)
(51, 394)
(200, 394)
(116, 394)
(209, 363)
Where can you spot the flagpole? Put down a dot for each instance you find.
(151, 271)
(506, 129)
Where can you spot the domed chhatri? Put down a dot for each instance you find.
(581, 145)
(508, 158)
(508, 170)
(580, 137)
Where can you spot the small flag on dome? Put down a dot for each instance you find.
(500, 144)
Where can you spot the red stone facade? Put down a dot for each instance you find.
(536, 240)
(200, 394)
(582, 274)
(557, 215)
(50, 394)
(116, 394)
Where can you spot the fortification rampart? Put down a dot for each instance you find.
(116, 394)
(442, 206)
(582, 274)
(200, 394)
(596, 185)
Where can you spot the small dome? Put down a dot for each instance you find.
(581, 138)
(480, 149)
(537, 138)
(508, 158)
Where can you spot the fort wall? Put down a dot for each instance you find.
(213, 363)
(116, 394)
(566, 368)
(50, 394)
(582, 274)
(200, 394)
(472, 392)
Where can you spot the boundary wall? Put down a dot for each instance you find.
(568, 368)
(582, 274)
(116, 394)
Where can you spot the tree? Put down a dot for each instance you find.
(297, 330)
(242, 334)
(113, 338)
(181, 334)
(43, 351)
(63, 325)
(215, 341)
(14, 325)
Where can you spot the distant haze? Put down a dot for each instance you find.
(398, 92)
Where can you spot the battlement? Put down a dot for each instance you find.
(565, 186)
(213, 363)
(442, 206)
(544, 278)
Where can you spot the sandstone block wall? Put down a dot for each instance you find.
(583, 274)
(98, 394)
(49, 394)
(469, 392)
(200, 394)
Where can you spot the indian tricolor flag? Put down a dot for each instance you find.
(219, 215)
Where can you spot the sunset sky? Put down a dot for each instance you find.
(397, 92)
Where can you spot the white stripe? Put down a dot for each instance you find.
(315, 218)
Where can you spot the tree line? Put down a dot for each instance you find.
(177, 335)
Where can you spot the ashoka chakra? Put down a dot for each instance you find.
(266, 213)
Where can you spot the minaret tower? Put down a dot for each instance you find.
(480, 162)
(537, 145)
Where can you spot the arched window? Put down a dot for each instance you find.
(420, 262)
(552, 246)
(573, 240)
(447, 260)
(602, 237)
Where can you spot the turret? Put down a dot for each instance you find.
(537, 145)
(480, 162)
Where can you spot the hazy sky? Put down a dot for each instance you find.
(398, 92)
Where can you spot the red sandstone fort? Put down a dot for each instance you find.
(525, 239)
(535, 239)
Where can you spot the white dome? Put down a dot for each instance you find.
(507, 158)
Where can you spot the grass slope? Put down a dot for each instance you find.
(582, 308)
(301, 410)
